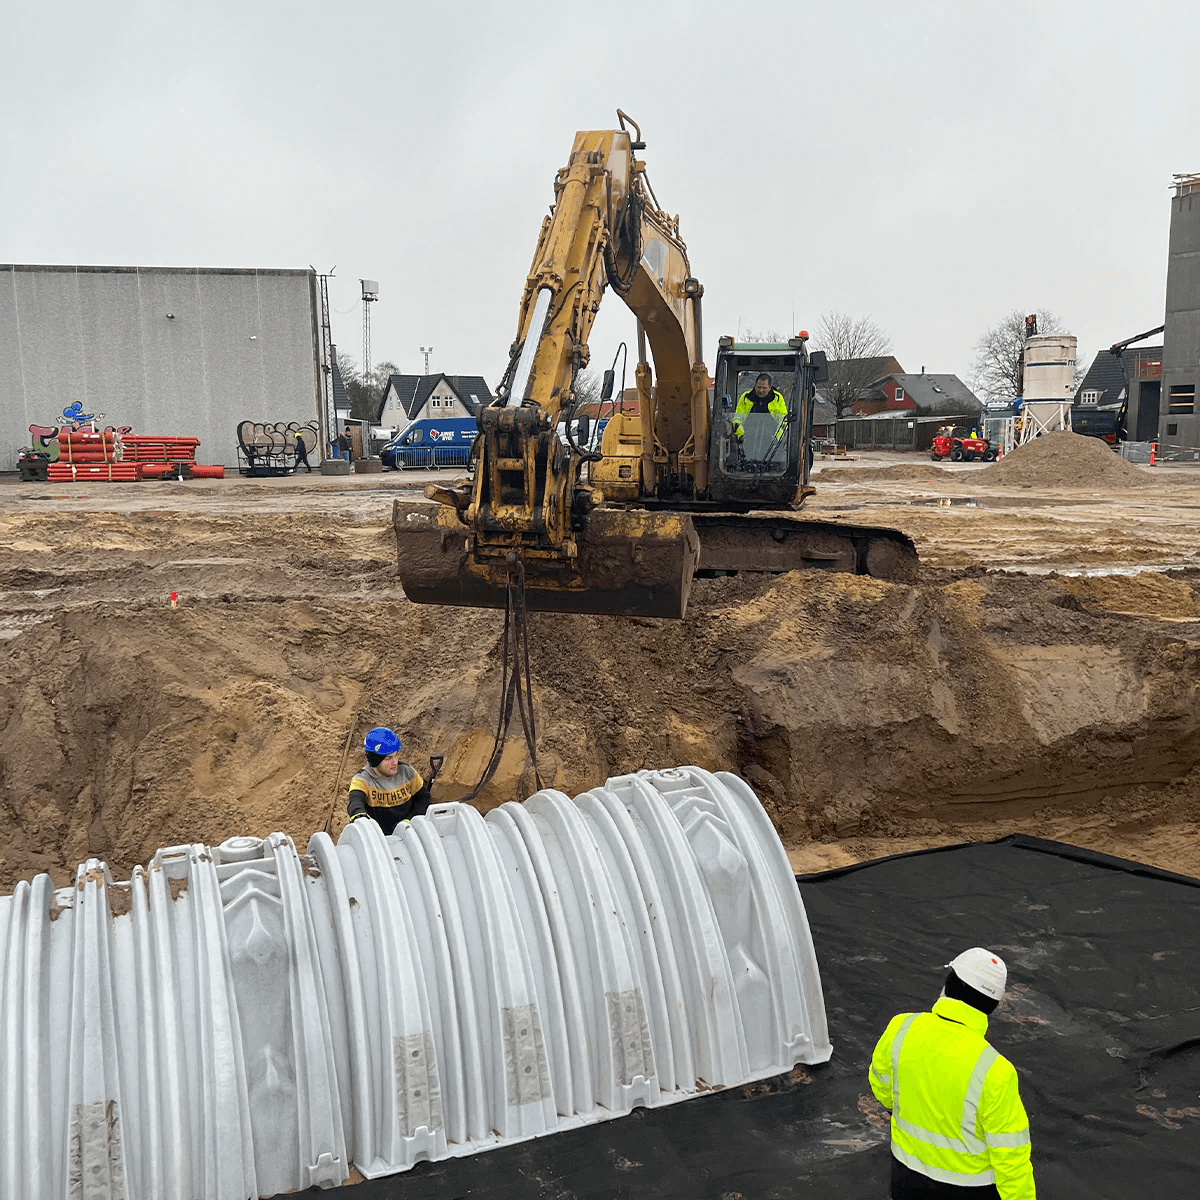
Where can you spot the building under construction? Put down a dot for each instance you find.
(1179, 424)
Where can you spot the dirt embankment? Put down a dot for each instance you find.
(897, 473)
(871, 715)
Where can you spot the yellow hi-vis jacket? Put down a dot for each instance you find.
(776, 406)
(956, 1113)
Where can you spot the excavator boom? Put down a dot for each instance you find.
(527, 501)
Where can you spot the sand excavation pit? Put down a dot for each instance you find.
(869, 717)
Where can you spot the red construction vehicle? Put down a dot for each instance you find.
(961, 443)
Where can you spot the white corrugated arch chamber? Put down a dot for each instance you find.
(245, 1020)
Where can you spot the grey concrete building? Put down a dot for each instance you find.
(1179, 423)
(185, 351)
(1143, 365)
(1119, 395)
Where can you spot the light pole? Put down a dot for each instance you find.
(427, 351)
(370, 293)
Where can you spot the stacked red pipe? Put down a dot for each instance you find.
(76, 446)
(146, 447)
(76, 472)
(109, 456)
(92, 458)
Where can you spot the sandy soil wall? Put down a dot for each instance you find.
(857, 709)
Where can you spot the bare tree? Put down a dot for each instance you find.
(762, 335)
(996, 368)
(854, 347)
(589, 383)
(365, 395)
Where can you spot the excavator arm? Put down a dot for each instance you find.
(527, 506)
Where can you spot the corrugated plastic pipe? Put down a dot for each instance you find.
(246, 1020)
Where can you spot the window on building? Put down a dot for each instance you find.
(1172, 430)
(899, 395)
(1183, 398)
(1091, 396)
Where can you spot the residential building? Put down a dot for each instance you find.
(341, 399)
(850, 379)
(1120, 392)
(904, 412)
(409, 398)
(922, 395)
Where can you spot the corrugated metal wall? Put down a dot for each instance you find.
(239, 345)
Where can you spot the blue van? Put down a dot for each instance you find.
(432, 444)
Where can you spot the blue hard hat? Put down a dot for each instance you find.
(381, 741)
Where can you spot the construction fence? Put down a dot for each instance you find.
(894, 433)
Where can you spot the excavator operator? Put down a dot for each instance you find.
(762, 399)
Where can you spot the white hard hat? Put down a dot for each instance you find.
(982, 970)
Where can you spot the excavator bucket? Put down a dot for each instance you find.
(630, 563)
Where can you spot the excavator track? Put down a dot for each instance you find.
(773, 543)
(636, 562)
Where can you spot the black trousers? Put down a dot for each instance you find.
(911, 1185)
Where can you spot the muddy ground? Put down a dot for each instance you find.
(998, 693)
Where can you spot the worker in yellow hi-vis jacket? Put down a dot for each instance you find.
(958, 1125)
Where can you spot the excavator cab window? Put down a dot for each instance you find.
(757, 440)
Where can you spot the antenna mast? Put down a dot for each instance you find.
(370, 293)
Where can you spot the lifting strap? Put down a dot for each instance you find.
(515, 683)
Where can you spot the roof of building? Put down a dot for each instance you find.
(1107, 376)
(824, 411)
(868, 368)
(935, 395)
(340, 399)
(414, 390)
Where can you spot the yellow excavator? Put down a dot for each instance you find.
(694, 479)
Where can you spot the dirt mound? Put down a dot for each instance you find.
(911, 472)
(1162, 595)
(1065, 460)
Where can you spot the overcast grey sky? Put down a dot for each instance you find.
(932, 165)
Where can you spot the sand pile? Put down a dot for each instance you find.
(1065, 460)
(1167, 596)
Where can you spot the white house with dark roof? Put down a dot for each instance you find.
(409, 398)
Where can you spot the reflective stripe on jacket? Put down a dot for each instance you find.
(957, 1115)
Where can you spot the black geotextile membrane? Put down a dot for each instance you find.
(1102, 1022)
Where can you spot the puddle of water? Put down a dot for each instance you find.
(949, 502)
(1094, 572)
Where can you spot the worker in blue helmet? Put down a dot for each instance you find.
(387, 790)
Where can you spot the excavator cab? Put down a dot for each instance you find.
(760, 449)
